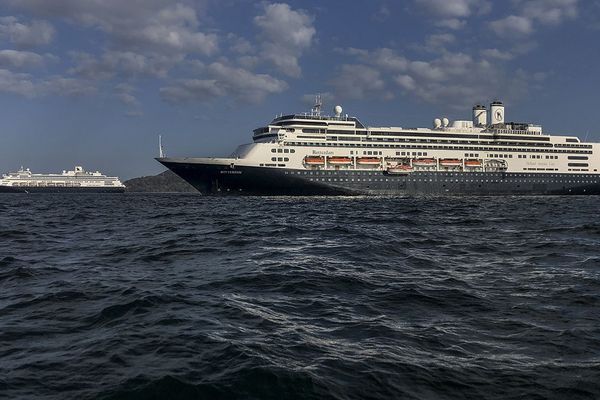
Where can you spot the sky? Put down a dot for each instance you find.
(94, 82)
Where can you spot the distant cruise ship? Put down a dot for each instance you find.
(312, 154)
(76, 181)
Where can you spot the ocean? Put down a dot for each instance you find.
(179, 296)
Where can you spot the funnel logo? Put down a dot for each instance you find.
(498, 115)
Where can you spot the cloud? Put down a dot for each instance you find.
(25, 85)
(285, 35)
(23, 35)
(359, 82)
(221, 80)
(529, 12)
(454, 78)
(384, 58)
(549, 12)
(133, 25)
(15, 59)
(453, 13)
(121, 63)
(438, 42)
(497, 54)
(511, 26)
(125, 93)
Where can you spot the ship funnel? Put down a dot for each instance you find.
(479, 115)
(497, 112)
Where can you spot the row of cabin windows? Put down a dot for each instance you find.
(439, 147)
(280, 159)
(471, 154)
(539, 157)
(501, 155)
(283, 151)
(510, 175)
(455, 180)
(414, 153)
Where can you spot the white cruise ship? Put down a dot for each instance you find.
(76, 181)
(313, 154)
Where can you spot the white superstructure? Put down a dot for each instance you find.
(480, 145)
(77, 178)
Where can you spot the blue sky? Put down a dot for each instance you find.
(93, 82)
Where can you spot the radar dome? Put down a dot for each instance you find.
(338, 110)
(437, 123)
(445, 121)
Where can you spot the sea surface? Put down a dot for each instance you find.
(187, 297)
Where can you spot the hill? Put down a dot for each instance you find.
(163, 182)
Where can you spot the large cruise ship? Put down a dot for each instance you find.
(76, 181)
(313, 154)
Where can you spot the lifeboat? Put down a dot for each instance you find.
(423, 162)
(450, 162)
(339, 160)
(368, 160)
(473, 163)
(314, 160)
(399, 169)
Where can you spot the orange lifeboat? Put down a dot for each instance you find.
(423, 162)
(339, 160)
(314, 160)
(399, 169)
(472, 163)
(450, 162)
(368, 160)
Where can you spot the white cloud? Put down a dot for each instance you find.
(125, 93)
(550, 12)
(23, 35)
(497, 54)
(453, 13)
(15, 59)
(511, 26)
(529, 12)
(438, 42)
(122, 63)
(359, 82)
(222, 80)
(285, 35)
(134, 25)
(458, 79)
(28, 86)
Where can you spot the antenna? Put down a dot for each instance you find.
(161, 152)
(316, 110)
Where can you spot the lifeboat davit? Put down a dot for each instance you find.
(314, 160)
(399, 169)
(368, 160)
(450, 162)
(339, 160)
(423, 162)
(473, 163)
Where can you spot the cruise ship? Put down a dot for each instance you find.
(313, 154)
(75, 181)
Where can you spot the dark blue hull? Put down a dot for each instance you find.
(38, 189)
(211, 179)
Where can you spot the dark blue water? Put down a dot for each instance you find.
(185, 297)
